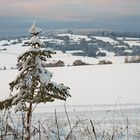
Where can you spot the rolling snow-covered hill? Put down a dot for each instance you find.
(10, 52)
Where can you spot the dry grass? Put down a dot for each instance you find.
(117, 124)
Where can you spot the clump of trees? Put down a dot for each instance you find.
(79, 63)
(104, 62)
(59, 63)
(132, 59)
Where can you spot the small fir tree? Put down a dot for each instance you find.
(33, 84)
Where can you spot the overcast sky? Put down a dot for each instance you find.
(17, 15)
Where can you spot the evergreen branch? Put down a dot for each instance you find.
(58, 93)
(20, 76)
(35, 53)
(7, 103)
(51, 92)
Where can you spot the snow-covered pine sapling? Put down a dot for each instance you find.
(33, 84)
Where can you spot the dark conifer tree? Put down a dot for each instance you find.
(33, 84)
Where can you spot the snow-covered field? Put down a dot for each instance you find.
(132, 43)
(76, 38)
(106, 39)
(128, 38)
(93, 89)
(96, 84)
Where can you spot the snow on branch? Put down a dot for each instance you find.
(36, 51)
(7, 103)
(34, 30)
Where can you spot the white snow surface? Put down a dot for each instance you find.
(133, 43)
(33, 29)
(130, 41)
(76, 37)
(35, 40)
(2, 42)
(96, 84)
(106, 39)
(128, 38)
(54, 41)
(120, 46)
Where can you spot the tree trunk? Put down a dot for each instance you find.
(28, 123)
(29, 115)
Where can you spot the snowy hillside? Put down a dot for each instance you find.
(10, 51)
(91, 84)
(76, 38)
(133, 43)
(130, 41)
(106, 39)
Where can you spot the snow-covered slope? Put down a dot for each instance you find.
(8, 57)
(128, 38)
(106, 39)
(97, 84)
(132, 43)
(76, 38)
